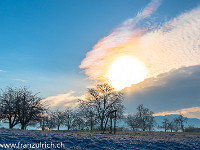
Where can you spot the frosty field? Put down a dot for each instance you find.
(96, 140)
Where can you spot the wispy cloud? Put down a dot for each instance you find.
(62, 100)
(2, 71)
(20, 80)
(193, 112)
(149, 9)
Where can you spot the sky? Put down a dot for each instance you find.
(45, 45)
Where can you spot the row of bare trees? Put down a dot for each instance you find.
(95, 111)
(21, 106)
(143, 120)
(174, 125)
(56, 119)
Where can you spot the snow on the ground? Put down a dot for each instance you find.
(96, 140)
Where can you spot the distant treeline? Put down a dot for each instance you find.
(101, 109)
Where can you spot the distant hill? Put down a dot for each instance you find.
(190, 121)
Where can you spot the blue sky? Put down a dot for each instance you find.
(42, 43)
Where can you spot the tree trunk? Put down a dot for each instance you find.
(115, 121)
(110, 124)
(10, 124)
(91, 124)
(182, 127)
(58, 127)
(23, 126)
(101, 124)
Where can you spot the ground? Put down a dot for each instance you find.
(96, 140)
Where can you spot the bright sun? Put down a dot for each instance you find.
(125, 71)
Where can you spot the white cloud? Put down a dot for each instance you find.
(193, 112)
(61, 101)
(20, 80)
(2, 71)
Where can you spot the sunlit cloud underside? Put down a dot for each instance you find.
(193, 112)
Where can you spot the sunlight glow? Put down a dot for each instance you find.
(125, 71)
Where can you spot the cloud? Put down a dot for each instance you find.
(170, 91)
(20, 80)
(62, 100)
(193, 112)
(149, 9)
(172, 45)
(99, 57)
(2, 71)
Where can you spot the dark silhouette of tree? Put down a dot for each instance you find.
(58, 117)
(145, 118)
(47, 122)
(132, 121)
(190, 128)
(30, 107)
(9, 106)
(165, 124)
(180, 120)
(43, 122)
(103, 99)
(50, 122)
(19, 105)
(69, 118)
(87, 111)
(171, 126)
(79, 121)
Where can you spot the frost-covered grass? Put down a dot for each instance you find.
(96, 140)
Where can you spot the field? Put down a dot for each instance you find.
(96, 140)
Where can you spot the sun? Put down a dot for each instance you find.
(125, 71)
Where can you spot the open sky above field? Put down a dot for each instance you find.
(43, 45)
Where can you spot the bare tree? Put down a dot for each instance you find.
(176, 125)
(69, 118)
(103, 99)
(19, 105)
(171, 126)
(150, 123)
(132, 121)
(87, 112)
(9, 106)
(50, 123)
(190, 128)
(58, 117)
(180, 120)
(145, 118)
(79, 121)
(43, 123)
(30, 108)
(47, 122)
(165, 124)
